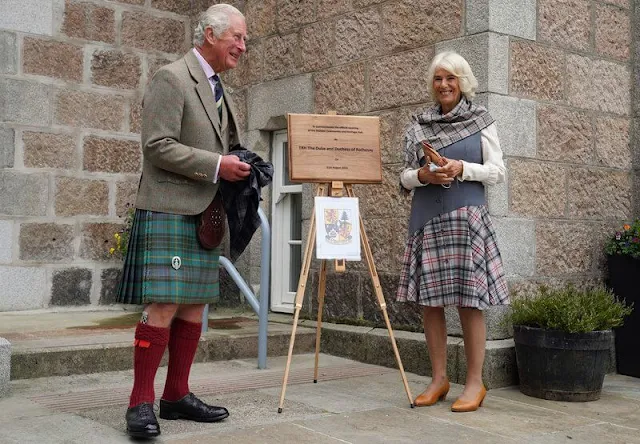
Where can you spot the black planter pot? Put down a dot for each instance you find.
(561, 366)
(623, 280)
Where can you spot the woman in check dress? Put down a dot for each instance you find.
(451, 255)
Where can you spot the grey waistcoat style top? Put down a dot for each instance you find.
(433, 200)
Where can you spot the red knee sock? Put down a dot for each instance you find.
(183, 344)
(149, 345)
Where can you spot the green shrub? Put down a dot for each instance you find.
(571, 310)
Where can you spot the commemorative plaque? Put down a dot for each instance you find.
(327, 147)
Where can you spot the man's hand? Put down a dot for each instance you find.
(232, 169)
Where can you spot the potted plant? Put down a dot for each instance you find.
(623, 263)
(563, 337)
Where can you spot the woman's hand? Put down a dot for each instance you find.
(437, 178)
(452, 168)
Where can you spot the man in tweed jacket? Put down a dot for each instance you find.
(188, 125)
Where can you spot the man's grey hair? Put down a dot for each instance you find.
(216, 18)
(459, 67)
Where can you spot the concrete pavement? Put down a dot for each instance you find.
(352, 403)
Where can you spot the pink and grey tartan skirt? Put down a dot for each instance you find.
(454, 260)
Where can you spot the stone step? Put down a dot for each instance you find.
(103, 353)
(373, 346)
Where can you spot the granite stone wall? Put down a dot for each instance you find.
(72, 74)
(558, 76)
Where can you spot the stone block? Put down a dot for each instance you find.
(89, 21)
(97, 239)
(294, 13)
(52, 59)
(488, 55)
(239, 99)
(517, 243)
(316, 47)
(177, 6)
(29, 16)
(498, 198)
(409, 24)
(395, 80)
(71, 286)
(598, 194)
(76, 197)
(613, 142)
(135, 116)
(8, 53)
(46, 242)
(406, 316)
(251, 67)
(357, 36)
(569, 247)
(370, 195)
(510, 17)
(357, 4)
(23, 288)
(25, 102)
(274, 99)
(116, 69)
(531, 191)
(537, 72)
(565, 135)
(125, 196)
(111, 155)
(5, 367)
(350, 80)
(516, 123)
(49, 150)
(583, 84)
(342, 296)
(565, 23)
(329, 8)
(23, 194)
(347, 341)
(145, 31)
(613, 31)
(89, 110)
(155, 63)
(7, 147)
(387, 239)
(6, 241)
(109, 279)
(281, 54)
(261, 18)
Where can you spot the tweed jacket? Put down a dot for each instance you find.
(182, 139)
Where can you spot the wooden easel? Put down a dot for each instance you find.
(336, 189)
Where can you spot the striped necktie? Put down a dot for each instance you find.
(218, 93)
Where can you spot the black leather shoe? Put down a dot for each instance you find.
(142, 422)
(193, 409)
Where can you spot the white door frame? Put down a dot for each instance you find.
(282, 298)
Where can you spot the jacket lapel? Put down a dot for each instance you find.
(203, 88)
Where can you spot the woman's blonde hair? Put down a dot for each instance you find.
(459, 67)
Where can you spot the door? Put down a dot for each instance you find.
(286, 248)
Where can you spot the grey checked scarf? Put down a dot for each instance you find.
(464, 120)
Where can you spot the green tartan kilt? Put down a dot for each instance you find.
(152, 271)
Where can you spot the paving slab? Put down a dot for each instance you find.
(352, 402)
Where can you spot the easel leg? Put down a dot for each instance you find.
(302, 284)
(383, 305)
(321, 290)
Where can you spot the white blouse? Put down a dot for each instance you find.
(491, 172)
